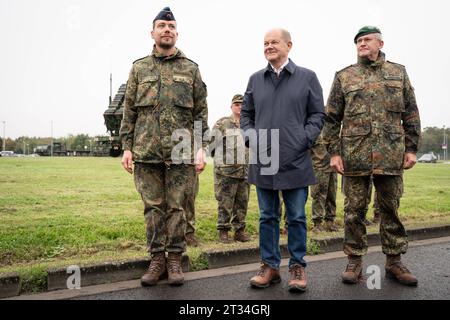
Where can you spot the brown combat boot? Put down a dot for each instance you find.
(156, 269)
(241, 236)
(175, 273)
(297, 282)
(223, 236)
(395, 269)
(353, 271)
(265, 277)
(331, 226)
(191, 240)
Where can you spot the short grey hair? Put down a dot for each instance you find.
(285, 35)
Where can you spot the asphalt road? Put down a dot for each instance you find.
(430, 263)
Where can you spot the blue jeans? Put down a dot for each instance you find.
(269, 225)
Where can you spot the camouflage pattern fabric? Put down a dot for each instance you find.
(376, 106)
(324, 196)
(229, 160)
(163, 94)
(232, 196)
(164, 190)
(320, 156)
(190, 204)
(393, 235)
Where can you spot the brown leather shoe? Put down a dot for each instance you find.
(156, 269)
(223, 236)
(297, 282)
(331, 226)
(265, 277)
(396, 270)
(353, 271)
(175, 273)
(241, 236)
(191, 240)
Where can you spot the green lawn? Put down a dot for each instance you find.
(61, 211)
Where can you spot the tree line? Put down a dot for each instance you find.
(431, 141)
(27, 145)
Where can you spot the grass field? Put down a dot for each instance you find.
(61, 211)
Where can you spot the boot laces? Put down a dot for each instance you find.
(298, 272)
(352, 266)
(174, 267)
(262, 270)
(401, 267)
(155, 265)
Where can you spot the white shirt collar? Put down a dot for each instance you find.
(278, 71)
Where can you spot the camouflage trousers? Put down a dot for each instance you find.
(324, 196)
(190, 205)
(392, 233)
(232, 195)
(164, 190)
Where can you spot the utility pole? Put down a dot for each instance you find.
(51, 143)
(4, 135)
(445, 145)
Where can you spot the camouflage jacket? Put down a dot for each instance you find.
(320, 156)
(228, 149)
(163, 94)
(374, 103)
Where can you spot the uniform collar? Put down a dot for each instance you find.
(374, 64)
(178, 54)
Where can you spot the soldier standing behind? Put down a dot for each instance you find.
(375, 103)
(324, 192)
(165, 95)
(230, 179)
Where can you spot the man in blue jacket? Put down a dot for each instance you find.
(282, 101)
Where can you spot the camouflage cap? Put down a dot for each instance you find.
(165, 14)
(366, 30)
(237, 98)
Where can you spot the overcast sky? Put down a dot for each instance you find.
(56, 55)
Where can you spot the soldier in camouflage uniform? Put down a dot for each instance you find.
(324, 192)
(374, 102)
(165, 94)
(191, 240)
(230, 175)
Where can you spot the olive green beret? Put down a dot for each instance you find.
(366, 30)
(237, 98)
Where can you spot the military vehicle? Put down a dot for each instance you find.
(101, 147)
(113, 117)
(59, 150)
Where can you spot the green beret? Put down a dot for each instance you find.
(366, 30)
(165, 14)
(237, 98)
